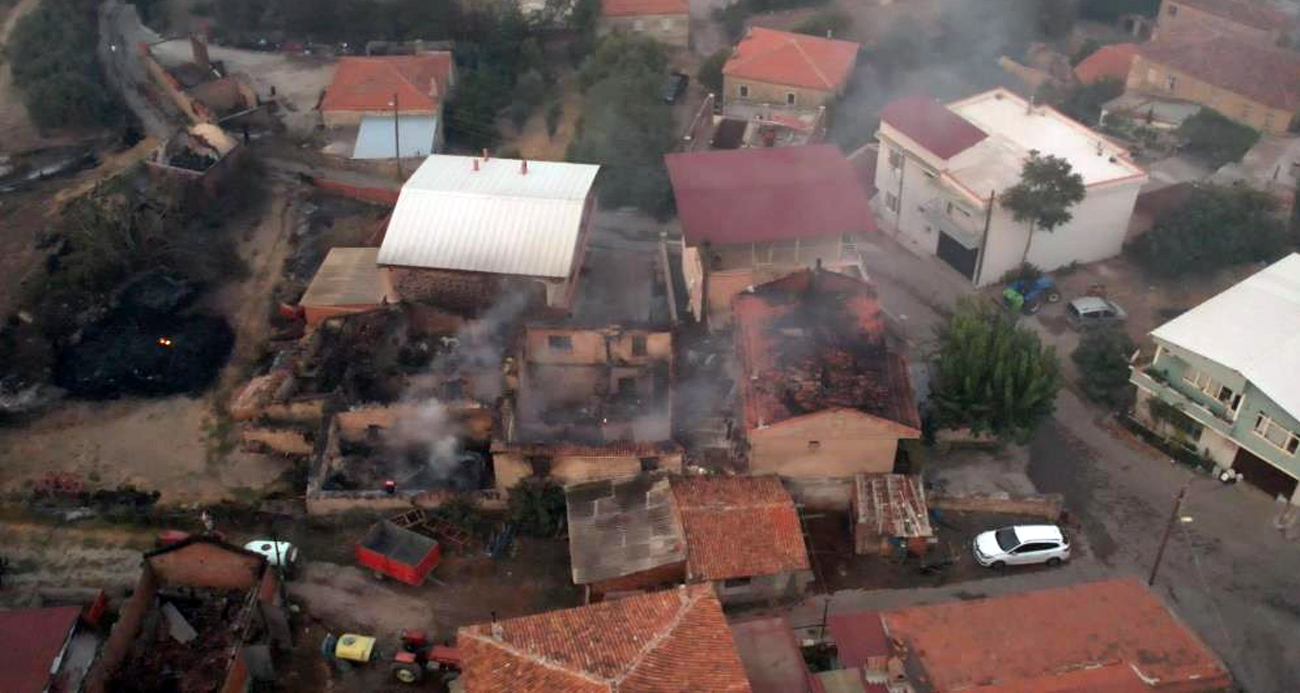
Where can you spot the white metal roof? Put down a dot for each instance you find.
(1252, 328)
(495, 219)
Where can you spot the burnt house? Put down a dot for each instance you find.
(205, 617)
(822, 392)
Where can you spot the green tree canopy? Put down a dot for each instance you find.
(1048, 188)
(991, 374)
(1214, 138)
(625, 126)
(1102, 358)
(710, 72)
(1215, 227)
(52, 56)
(537, 507)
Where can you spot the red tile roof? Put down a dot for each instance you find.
(739, 526)
(635, 8)
(368, 84)
(1108, 62)
(1267, 75)
(815, 341)
(793, 60)
(1117, 629)
(675, 641)
(767, 194)
(32, 639)
(932, 125)
(1256, 14)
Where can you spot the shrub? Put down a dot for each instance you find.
(1212, 137)
(537, 507)
(1217, 227)
(710, 72)
(1102, 357)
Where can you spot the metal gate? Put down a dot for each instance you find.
(959, 256)
(1263, 475)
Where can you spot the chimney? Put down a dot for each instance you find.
(497, 631)
(485, 154)
(1029, 105)
(523, 167)
(199, 47)
(475, 164)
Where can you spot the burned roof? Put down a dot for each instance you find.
(1113, 635)
(815, 341)
(671, 641)
(739, 526)
(892, 505)
(621, 527)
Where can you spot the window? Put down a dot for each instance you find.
(744, 91)
(559, 342)
(666, 24)
(891, 201)
(814, 445)
(736, 582)
(895, 158)
(649, 464)
(638, 25)
(1278, 435)
(789, 98)
(639, 345)
(1035, 547)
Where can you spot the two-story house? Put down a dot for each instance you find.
(1225, 379)
(783, 70)
(1253, 21)
(942, 168)
(750, 216)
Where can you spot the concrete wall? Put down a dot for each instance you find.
(780, 586)
(1154, 78)
(833, 443)
(776, 94)
(669, 29)
(1178, 20)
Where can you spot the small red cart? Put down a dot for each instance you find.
(399, 553)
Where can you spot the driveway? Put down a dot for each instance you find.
(1229, 572)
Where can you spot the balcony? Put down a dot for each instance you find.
(936, 215)
(1154, 380)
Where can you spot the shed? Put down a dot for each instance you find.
(417, 135)
(348, 281)
(625, 535)
(889, 511)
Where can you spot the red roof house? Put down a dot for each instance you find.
(822, 393)
(767, 64)
(1264, 74)
(367, 85)
(932, 125)
(674, 641)
(1108, 62)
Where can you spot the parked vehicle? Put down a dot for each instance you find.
(1093, 311)
(392, 551)
(279, 554)
(1022, 545)
(410, 660)
(675, 86)
(1028, 297)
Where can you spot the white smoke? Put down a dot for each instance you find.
(433, 431)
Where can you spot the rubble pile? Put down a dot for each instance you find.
(187, 650)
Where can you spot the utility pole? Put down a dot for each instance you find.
(1169, 529)
(397, 139)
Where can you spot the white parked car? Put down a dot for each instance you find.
(277, 553)
(1022, 545)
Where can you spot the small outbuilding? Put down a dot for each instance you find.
(348, 281)
(890, 515)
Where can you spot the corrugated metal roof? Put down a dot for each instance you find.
(618, 528)
(33, 638)
(348, 277)
(416, 135)
(495, 219)
(1252, 328)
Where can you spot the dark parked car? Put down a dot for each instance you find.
(675, 86)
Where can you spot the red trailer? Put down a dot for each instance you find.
(398, 553)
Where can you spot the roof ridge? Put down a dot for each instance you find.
(688, 602)
(539, 659)
(798, 45)
(750, 506)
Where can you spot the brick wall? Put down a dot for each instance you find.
(647, 580)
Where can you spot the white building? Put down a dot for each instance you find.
(942, 167)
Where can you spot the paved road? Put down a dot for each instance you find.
(1229, 573)
(120, 36)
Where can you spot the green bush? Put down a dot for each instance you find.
(1215, 228)
(1212, 137)
(537, 507)
(1102, 357)
(52, 56)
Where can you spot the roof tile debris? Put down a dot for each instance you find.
(638, 8)
(1113, 635)
(32, 639)
(815, 341)
(789, 59)
(892, 505)
(1265, 74)
(621, 527)
(1108, 62)
(763, 194)
(369, 83)
(739, 527)
(932, 125)
(674, 641)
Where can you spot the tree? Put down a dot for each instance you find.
(625, 126)
(1048, 188)
(1083, 102)
(1214, 138)
(991, 374)
(1102, 357)
(1214, 228)
(710, 72)
(52, 58)
(537, 507)
(1056, 17)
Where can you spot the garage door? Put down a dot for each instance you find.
(1268, 478)
(959, 256)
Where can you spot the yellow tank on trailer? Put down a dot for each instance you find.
(354, 648)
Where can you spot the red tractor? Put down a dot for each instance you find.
(414, 657)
